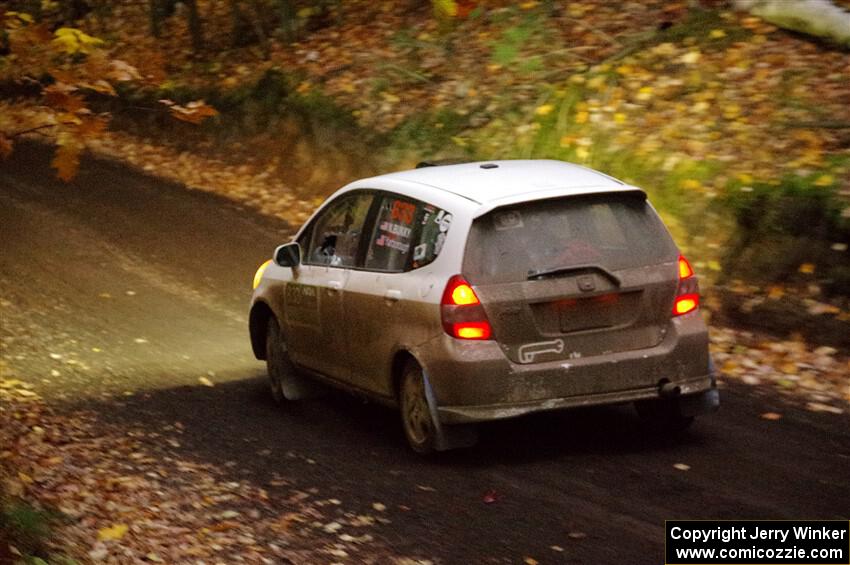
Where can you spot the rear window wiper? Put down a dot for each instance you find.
(539, 273)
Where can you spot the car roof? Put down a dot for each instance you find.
(487, 182)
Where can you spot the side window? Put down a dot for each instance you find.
(435, 225)
(389, 246)
(335, 235)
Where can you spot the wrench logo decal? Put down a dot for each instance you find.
(529, 351)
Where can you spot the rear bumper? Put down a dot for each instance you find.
(699, 396)
(475, 381)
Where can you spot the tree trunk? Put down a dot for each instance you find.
(159, 11)
(195, 25)
(257, 22)
(237, 25)
(287, 19)
(155, 16)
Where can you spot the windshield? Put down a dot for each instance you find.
(613, 232)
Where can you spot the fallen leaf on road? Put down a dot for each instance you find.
(361, 520)
(205, 381)
(682, 467)
(114, 532)
(99, 553)
(378, 506)
(365, 538)
(815, 407)
(490, 497)
(10, 383)
(557, 548)
(576, 535)
(771, 416)
(530, 561)
(690, 58)
(425, 488)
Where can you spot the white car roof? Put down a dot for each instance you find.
(492, 183)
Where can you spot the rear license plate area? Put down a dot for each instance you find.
(577, 314)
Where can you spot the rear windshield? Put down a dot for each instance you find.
(612, 231)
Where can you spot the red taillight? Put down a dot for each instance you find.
(463, 295)
(687, 294)
(685, 270)
(471, 330)
(458, 293)
(461, 311)
(685, 303)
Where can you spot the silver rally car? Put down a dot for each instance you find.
(478, 291)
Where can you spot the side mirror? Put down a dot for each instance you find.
(288, 255)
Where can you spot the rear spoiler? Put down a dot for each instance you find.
(556, 193)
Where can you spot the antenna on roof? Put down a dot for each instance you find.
(440, 162)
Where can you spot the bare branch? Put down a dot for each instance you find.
(29, 130)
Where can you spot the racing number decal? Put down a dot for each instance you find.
(403, 211)
(444, 220)
(302, 304)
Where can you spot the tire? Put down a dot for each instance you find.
(419, 427)
(663, 415)
(285, 381)
(278, 364)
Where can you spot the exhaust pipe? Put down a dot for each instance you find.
(666, 389)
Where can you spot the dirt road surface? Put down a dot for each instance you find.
(120, 292)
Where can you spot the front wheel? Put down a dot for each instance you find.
(278, 364)
(285, 381)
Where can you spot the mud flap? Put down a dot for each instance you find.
(448, 437)
(704, 402)
(301, 387)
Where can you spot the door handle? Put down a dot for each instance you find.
(334, 286)
(393, 295)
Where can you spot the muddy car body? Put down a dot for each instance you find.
(479, 291)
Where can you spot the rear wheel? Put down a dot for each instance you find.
(663, 415)
(419, 426)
